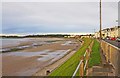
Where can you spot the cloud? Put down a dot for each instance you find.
(44, 17)
(109, 14)
(59, 1)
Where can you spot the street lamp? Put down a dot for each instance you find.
(100, 22)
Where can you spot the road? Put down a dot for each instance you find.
(115, 43)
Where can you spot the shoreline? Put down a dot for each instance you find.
(57, 63)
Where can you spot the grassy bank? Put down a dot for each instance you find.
(68, 68)
(95, 55)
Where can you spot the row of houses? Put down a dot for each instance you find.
(109, 32)
(80, 36)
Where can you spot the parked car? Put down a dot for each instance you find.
(112, 38)
(118, 39)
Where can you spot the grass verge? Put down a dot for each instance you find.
(95, 58)
(68, 68)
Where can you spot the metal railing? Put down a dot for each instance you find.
(83, 64)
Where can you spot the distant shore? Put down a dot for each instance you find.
(36, 36)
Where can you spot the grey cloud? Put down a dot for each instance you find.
(56, 17)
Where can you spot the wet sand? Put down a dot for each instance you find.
(35, 59)
(53, 66)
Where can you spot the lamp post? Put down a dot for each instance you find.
(100, 22)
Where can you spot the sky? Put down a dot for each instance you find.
(56, 17)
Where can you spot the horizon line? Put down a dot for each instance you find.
(21, 34)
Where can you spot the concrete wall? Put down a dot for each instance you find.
(112, 55)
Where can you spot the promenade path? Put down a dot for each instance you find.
(103, 69)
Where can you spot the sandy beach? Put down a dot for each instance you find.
(43, 54)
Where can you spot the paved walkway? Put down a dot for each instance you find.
(104, 69)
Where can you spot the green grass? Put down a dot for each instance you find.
(68, 68)
(95, 58)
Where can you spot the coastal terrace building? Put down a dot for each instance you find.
(106, 33)
(114, 32)
(97, 35)
(109, 32)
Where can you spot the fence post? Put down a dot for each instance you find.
(87, 58)
(118, 65)
(82, 67)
